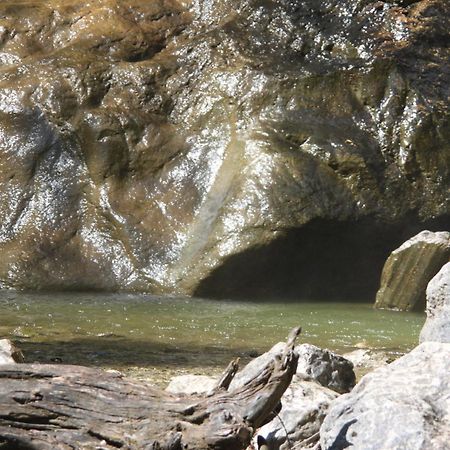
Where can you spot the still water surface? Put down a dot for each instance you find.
(157, 337)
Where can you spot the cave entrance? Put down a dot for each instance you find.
(324, 260)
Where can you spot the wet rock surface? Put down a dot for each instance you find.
(405, 404)
(437, 325)
(409, 269)
(144, 144)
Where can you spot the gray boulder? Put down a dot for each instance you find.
(409, 269)
(405, 405)
(9, 353)
(437, 325)
(191, 384)
(304, 407)
(325, 367)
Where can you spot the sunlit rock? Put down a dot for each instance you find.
(404, 405)
(144, 144)
(437, 325)
(191, 384)
(366, 360)
(9, 353)
(304, 407)
(409, 269)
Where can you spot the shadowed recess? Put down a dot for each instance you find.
(122, 353)
(323, 260)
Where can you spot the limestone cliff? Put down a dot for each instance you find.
(144, 143)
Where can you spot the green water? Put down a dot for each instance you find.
(183, 334)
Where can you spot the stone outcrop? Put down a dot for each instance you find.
(9, 353)
(320, 376)
(143, 144)
(405, 404)
(437, 325)
(409, 269)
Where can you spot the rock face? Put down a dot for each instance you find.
(409, 269)
(144, 144)
(437, 325)
(405, 405)
(9, 353)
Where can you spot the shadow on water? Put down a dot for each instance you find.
(322, 261)
(123, 353)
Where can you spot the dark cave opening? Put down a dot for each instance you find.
(324, 260)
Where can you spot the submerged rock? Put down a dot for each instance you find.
(9, 353)
(409, 269)
(405, 404)
(145, 145)
(437, 325)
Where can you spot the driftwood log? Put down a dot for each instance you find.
(70, 407)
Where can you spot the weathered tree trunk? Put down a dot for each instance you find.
(70, 407)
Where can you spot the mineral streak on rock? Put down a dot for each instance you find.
(143, 144)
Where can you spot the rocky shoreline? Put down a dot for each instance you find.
(396, 404)
(363, 399)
